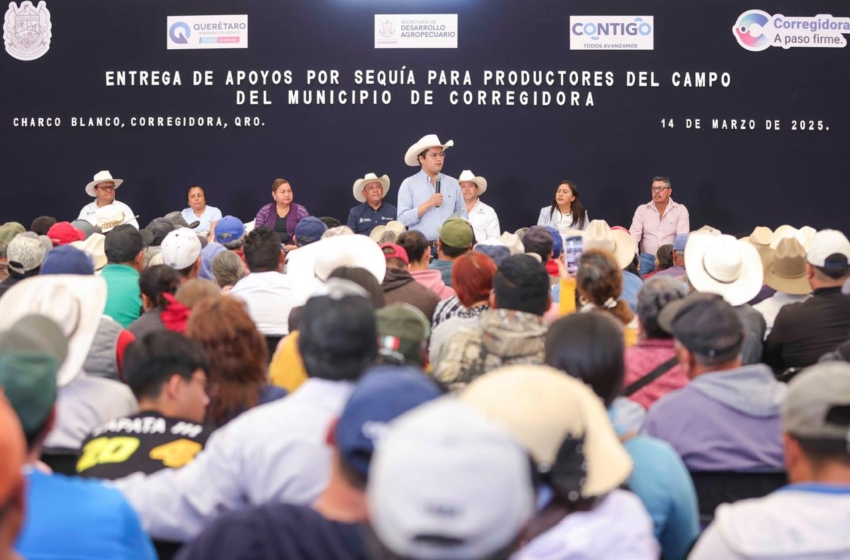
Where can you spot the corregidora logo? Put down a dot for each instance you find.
(26, 30)
(416, 31)
(756, 31)
(612, 33)
(207, 32)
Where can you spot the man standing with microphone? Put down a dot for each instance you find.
(429, 198)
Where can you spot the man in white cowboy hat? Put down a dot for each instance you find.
(420, 205)
(803, 332)
(485, 222)
(658, 223)
(373, 211)
(102, 188)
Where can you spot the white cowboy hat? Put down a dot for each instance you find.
(378, 231)
(721, 264)
(72, 301)
(370, 178)
(101, 177)
(110, 217)
(468, 175)
(309, 266)
(618, 242)
(513, 243)
(803, 235)
(95, 247)
(411, 158)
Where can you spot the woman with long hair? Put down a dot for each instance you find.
(599, 283)
(238, 355)
(566, 212)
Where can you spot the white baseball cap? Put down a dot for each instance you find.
(181, 248)
(446, 482)
(825, 243)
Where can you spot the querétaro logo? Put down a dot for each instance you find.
(179, 33)
(27, 30)
(750, 30)
(621, 33)
(756, 31)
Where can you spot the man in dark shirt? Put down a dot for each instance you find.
(333, 528)
(168, 375)
(373, 211)
(803, 332)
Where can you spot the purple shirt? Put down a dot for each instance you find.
(651, 230)
(267, 216)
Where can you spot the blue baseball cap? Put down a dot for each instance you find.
(557, 242)
(67, 260)
(228, 229)
(680, 242)
(308, 230)
(380, 396)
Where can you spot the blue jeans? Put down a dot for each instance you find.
(647, 263)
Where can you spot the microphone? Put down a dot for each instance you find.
(438, 185)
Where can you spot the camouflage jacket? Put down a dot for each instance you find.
(502, 338)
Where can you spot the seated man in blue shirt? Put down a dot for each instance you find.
(373, 212)
(65, 517)
(420, 206)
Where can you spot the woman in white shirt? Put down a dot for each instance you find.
(566, 212)
(199, 211)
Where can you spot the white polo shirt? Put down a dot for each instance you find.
(485, 222)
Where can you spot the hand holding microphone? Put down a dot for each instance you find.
(437, 199)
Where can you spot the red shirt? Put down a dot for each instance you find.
(644, 357)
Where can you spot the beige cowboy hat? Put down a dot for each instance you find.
(787, 271)
(378, 231)
(309, 266)
(803, 235)
(760, 238)
(101, 177)
(74, 302)
(110, 217)
(95, 247)
(411, 158)
(721, 264)
(370, 178)
(468, 175)
(618, 242)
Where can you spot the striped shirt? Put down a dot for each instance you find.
(416, 190)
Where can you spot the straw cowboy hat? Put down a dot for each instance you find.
(378, 231)
(370, 178)
(101, 177)
(72, 301)
(468, 175)
(721, 264)
(761, 238)
(411, 158)
(95, 247)
(803, 235)
(309, 266)
(787, 271)
(618, 242)
(110, 217)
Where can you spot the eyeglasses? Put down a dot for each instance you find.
(659, 189)
(437, 155)
(110, 188)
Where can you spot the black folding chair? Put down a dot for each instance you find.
(272, 342)
(726, 487)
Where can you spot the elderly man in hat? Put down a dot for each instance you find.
(485, 222)
(429, 198)
(102, 189)
(372, 212)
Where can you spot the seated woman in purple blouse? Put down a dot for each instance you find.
(282, 215)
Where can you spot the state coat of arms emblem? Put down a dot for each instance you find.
(26, 30)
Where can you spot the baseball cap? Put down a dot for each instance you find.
(704, 323)
(446, 482)
(680, 242)
(538, 240)
(817, 405)
(86, 227)
(159, 228)
(394, 251)
(31, 353)
(494, 249)
(25, 253)
(13, 451)
(308, 230)
(457, 233)
(67, 259)
(557, 242)
(229, 229)
(181, 248)
(177, 219)
(63, 233)
(560, 421)
(402, 329)
(378, 398)
(123, 243)
(828, 243)
(9, 230)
